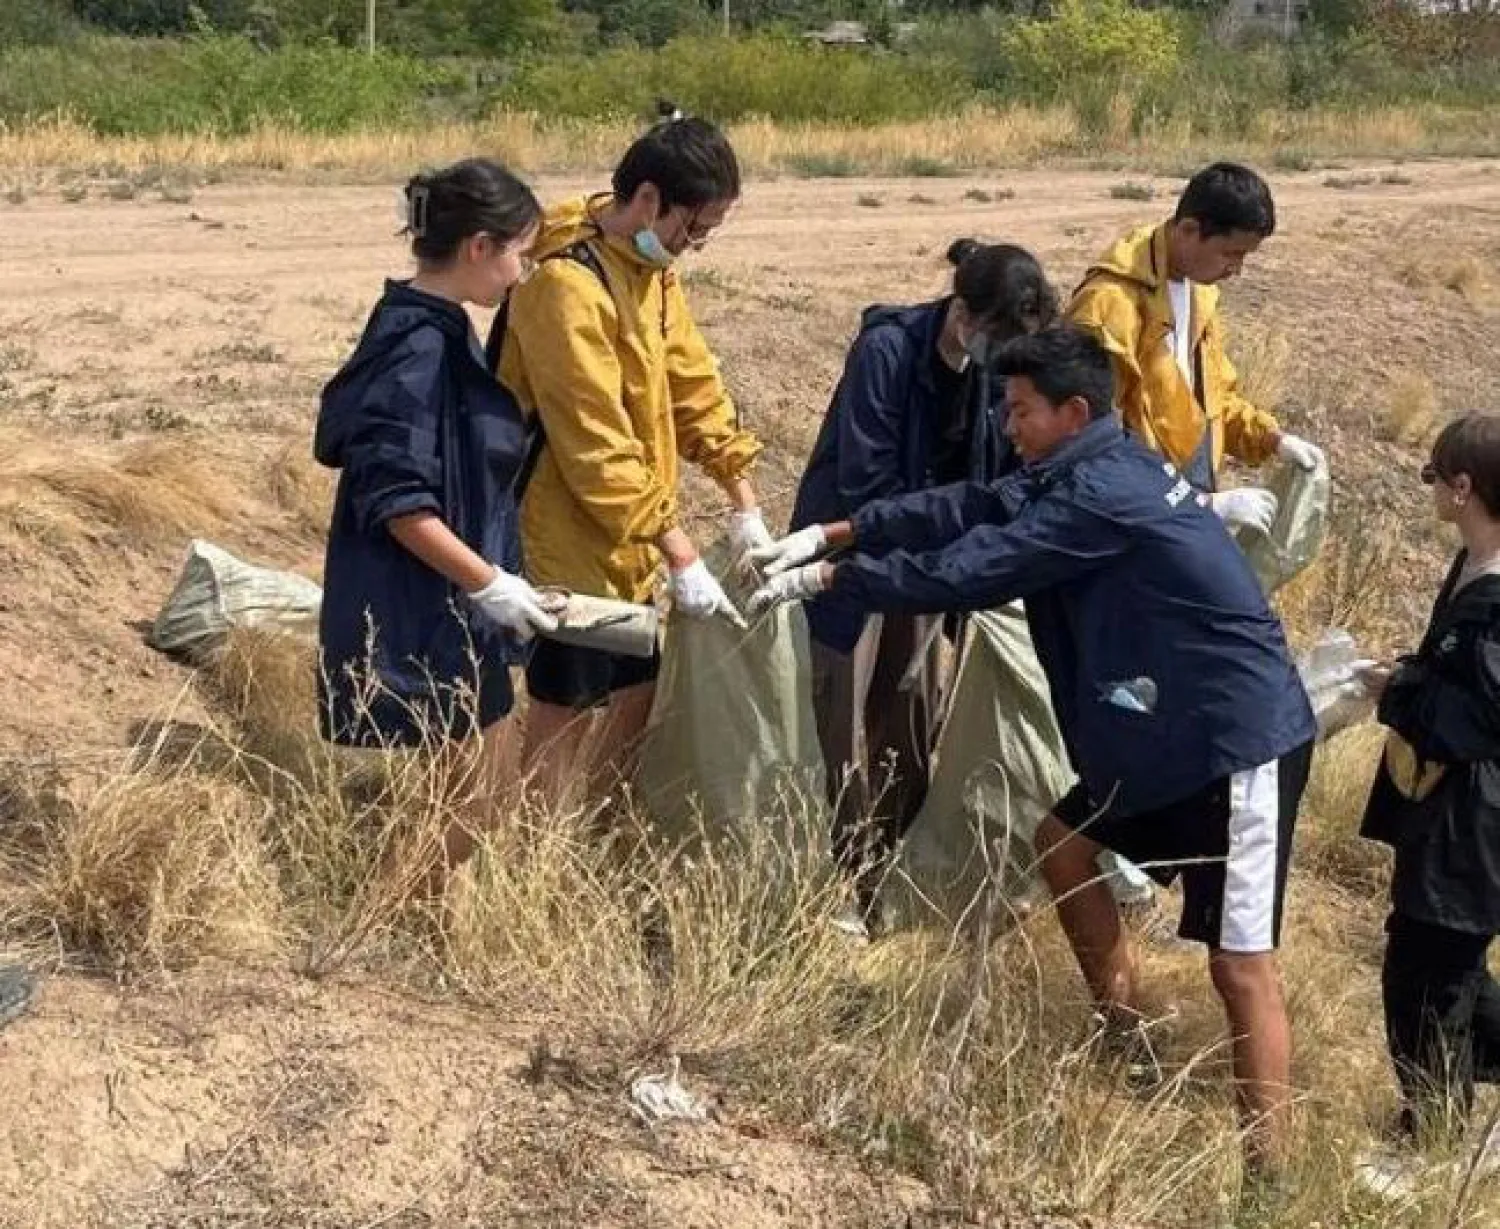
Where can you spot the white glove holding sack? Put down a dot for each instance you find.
(747, 533)
(1297, 451)
(796, 585)
(792, 551)
(513, 604)
(697, 593)
(1251, 506)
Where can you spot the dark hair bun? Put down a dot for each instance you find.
(961, 249)
(668, 111)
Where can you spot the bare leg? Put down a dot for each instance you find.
(1250, 986)
(1090, 917)
(477, 790)
(553, 758)
(616, 741)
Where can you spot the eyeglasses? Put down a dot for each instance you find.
(1429, 475)
(694, 232)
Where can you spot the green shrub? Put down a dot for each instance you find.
(1096, 44)
(729, 79)
(33, 23)
(222, 84)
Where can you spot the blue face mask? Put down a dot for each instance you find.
(649, 247)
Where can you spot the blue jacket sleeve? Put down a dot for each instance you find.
(1051, 541)
(392, 458)
(871, 422)
(929, 520)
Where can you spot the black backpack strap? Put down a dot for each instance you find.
(582, 253)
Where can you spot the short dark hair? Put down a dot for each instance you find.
(689, 160)
(1471, 445)
(1063, 362)
(1226, 197)
(1003, 285)
(473, 197)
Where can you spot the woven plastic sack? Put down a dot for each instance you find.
(216, 593)
(998, 768)
(732, 743)
(1301, 525)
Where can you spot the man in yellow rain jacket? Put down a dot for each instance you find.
(1153, 301)
(601, 349)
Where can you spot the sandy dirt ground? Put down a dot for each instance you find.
(184, 344)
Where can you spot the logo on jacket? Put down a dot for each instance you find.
(1137, 695)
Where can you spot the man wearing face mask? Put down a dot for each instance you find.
(1152, 300)
(915, 409)
(601, 349)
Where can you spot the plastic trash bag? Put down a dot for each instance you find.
(1301, 524)
(216, 593)
(998, 768)
(732, 742)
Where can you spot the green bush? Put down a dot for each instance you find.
(1092, 44)
(34, 23)
(221, 84)
(729, 79)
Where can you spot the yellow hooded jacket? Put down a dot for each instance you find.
(1124, 301)
(623, 384)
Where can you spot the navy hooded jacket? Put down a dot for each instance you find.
(1127, 576)
(415, 422)
(877, 439)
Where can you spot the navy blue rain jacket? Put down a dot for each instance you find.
(1127, 575)
(415, 422)
(877, 437)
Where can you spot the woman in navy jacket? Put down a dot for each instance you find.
(915, 409)
(424, 609)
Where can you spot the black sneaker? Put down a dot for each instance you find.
(17, 993)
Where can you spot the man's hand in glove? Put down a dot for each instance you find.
(698, 594)
(1251, 506)
(795, 585)
(1299, 452)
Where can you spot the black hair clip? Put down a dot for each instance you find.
(417, 198)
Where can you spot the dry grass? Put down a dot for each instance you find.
(154, 489)
(967, 1064)
(1411, 414)
(1469, 277)
(1262, 357)
(974, 139)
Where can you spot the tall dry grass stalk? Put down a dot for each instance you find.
(978, 138)
(969, 1064)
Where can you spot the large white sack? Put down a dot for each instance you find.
(216, 593)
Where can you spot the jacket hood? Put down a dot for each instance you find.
(570, 222)
(1140, 257)
(921, 323)
(401, 312)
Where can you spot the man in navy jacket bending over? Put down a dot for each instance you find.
(1179, 703)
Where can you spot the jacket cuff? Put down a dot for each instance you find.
(380, 509)
(734, 460)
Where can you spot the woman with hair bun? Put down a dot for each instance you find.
(424, 608)
(915, 409)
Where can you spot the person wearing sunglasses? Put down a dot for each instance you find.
(601, 349)
(1436, 801)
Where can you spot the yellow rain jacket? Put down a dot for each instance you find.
(1124, 301)
(624, 385)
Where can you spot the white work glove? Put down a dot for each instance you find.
(748, 532)
(791, 551)
(796, 585)
(513, 604)
(698, 594)
(1251, 506)
(1299, 452)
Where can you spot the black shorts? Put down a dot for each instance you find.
(574, 677)
(1231, 843)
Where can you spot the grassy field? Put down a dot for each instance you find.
(248, 1022)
